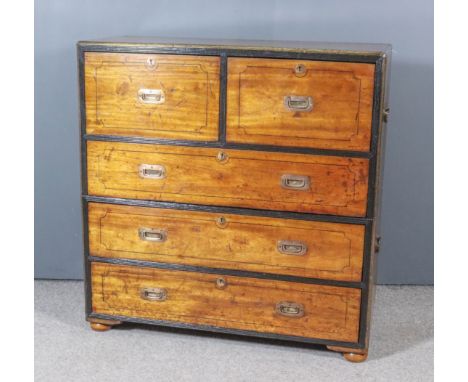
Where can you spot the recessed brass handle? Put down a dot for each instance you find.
(295, 182)
(150, 234)
(298, 103)
(290, 309)
(152, 171)
(153, 294)
(151, 96)
(290, 247)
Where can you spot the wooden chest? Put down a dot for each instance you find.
(233, 187)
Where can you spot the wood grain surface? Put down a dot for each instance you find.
(341, 93)
(190, 85)
(226, 301)
(334, 251)
(252, 179)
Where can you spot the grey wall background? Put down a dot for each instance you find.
(407, 253)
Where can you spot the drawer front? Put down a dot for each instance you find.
(259, 244)
(226, 301)
(290, 182)
(148, 95)
(300, 103)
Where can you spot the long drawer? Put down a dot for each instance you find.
(252, 179)
(278, 246)
(268, 306)
(152, 95)
(300, 103)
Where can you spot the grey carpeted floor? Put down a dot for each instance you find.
(66, 350)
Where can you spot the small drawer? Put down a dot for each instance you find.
(249, 243)
(269, 306)
(152, 95)
(252, 179)
(300, 103)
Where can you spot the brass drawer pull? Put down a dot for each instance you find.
(295, 182)
(153, 294)
(149, 234)
(295, 248)
(152, 171)
(151, 96)
(298, 103)
(290, 309)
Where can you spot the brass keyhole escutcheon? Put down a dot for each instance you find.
(222, 157)
(151, 63)
(300, 70)
(221, 283)
(221, 221)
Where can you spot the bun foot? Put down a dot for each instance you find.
(351, 355)
(355, 357)
(99, 327)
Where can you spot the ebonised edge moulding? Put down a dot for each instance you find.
(233, 186)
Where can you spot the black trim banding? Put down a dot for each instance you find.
(217, 329)
(226, 272)
(84, 180)
(222, 99)
(202, 51)
(233, 146)
(228, 210)
(376, 118)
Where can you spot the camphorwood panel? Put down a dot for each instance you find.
(342, 94)
(190, 85)
(244, 303)
(334, 250)
(249, 179)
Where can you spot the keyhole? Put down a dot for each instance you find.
(222, 156)
(221, 221)
(151, 63)
(221, 283)
(300, 70)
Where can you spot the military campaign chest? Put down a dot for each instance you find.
(233, 186)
